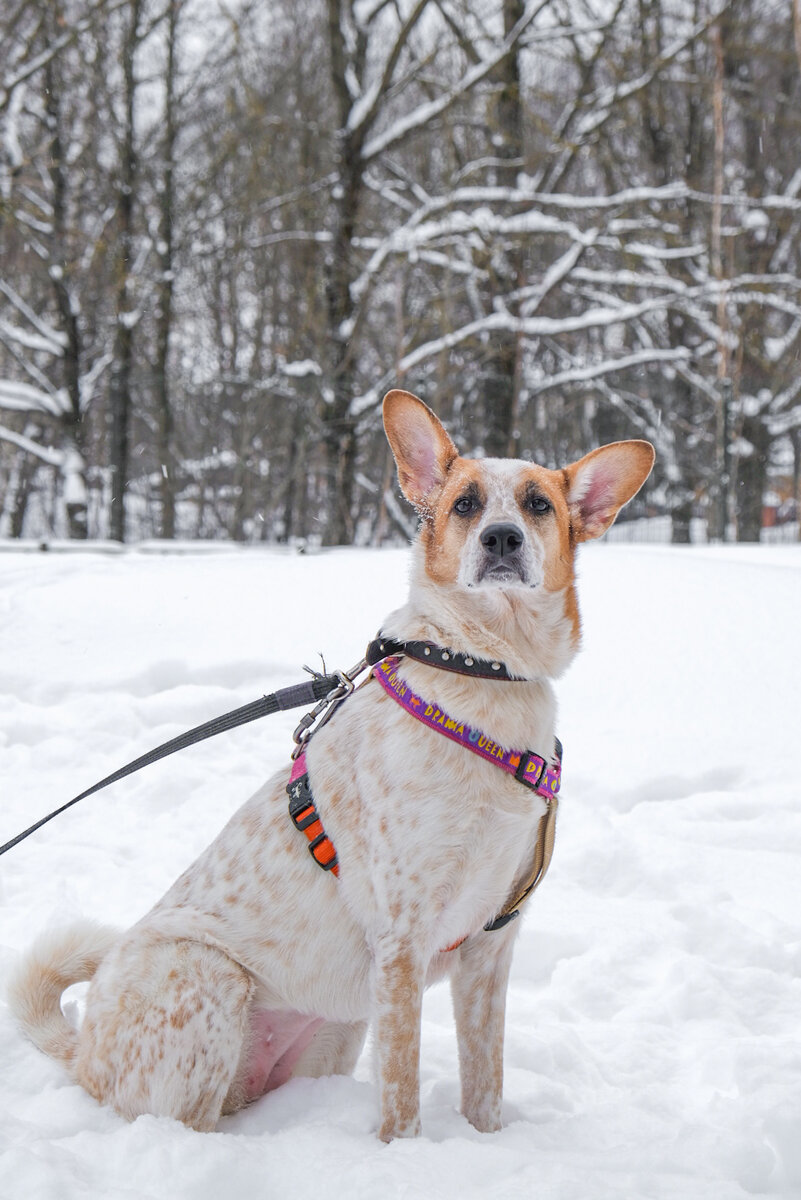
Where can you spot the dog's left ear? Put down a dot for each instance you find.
(422, 449)
(599, 484)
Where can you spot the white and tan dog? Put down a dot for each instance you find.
(256, 965)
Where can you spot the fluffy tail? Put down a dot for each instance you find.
(55, 961)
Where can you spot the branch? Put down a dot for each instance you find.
(54, 336)
(31, 341)
(623, 91)
(609, 366)
(425, 113)
(554, 275)
(55, 48)
(46, 454)
(418, 231)
(23, 397)
(364, 112)
(593, 318)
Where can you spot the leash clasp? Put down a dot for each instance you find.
(323, 712)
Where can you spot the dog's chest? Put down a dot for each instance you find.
(427, 833)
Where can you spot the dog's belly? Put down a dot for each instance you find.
(276, 1042)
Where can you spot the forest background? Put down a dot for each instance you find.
(228, 226)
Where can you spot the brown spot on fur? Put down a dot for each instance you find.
(252, 823)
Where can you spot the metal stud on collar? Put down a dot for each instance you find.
(439, 656)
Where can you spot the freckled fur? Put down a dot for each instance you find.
(256, 965)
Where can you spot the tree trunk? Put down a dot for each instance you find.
(166, 424)
(751, 479)
(21, 481)
(120, 382)
(500, 385)
(680, 518)
(339, 428)
(796, 440)
(74, 493)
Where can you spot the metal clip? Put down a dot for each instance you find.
(327, 706)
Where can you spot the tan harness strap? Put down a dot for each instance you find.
(543, 853)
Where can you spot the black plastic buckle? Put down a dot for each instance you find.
(520, 774)
(302, 808)
(500, 922)
(318, 841)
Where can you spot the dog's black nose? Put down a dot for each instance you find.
(502, 540)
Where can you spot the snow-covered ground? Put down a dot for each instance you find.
(654, 1024)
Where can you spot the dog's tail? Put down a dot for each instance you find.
(55, 961)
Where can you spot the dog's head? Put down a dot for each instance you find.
(504, 525)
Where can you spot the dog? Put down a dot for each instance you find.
(257, 966)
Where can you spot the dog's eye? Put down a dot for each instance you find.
(538, 504)
(464, 506)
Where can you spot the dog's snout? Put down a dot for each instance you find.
(502, 540)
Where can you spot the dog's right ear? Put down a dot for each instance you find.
(422, 449)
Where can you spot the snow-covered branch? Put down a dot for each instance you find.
(365, 110)
(591, 371)
(23, 397)
(602, 104)
(53, 340)
(45, 454)
(40, 60)
(426, 113)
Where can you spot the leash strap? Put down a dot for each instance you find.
(299, 694)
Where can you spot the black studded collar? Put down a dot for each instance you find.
(439, 656)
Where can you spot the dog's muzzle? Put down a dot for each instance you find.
(503, 545)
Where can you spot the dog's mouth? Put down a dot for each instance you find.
(503, 571)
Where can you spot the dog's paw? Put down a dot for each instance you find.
(484, 1116)
(391, 1129)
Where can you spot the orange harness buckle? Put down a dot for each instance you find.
(306, 818)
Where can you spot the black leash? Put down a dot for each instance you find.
(310, 692)
(322, 690)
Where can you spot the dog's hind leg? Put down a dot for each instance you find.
(333, 1050)
(164, 1029)
(281, 1044)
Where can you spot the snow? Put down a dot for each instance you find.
(654, 1031)
(301, 368)
(129, 320)
(24, 397)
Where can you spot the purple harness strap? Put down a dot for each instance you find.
(529, 768)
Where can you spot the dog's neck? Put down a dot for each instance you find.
(527, 629)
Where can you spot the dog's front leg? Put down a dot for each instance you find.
(399, 981)
(478, 984)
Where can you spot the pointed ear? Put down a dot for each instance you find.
(422, 449)
(599, 484)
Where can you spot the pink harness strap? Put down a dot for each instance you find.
(529, 768)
